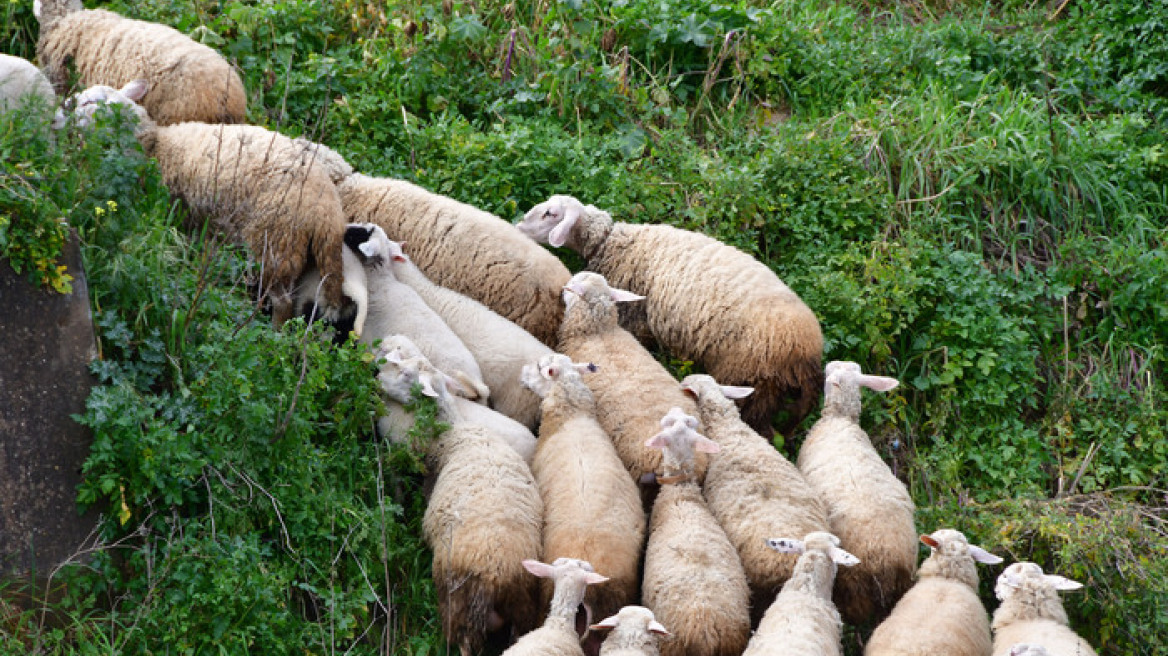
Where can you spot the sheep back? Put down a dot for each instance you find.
(937, 616)
(261, 189)
(694, 582)
(592, 508)
(713, 304)
(482, 521)
(869, 510)
(547, 641)
(465, 249)
(188, 80)
(804, 624)
(19, 78)
(1058, 639)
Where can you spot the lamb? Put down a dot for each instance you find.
(941, 614)
(448, 239)
(395, 308)
(559, 635)
(1031, 612)
(752, 490)
(187, 81)
(306, 301)
(482, 521)
(706, 302)
(271, 193)
(592, 508)
(405, 366)
(499, 346)
(802, 620)
(632, 390)
(694, 581)
(869, 509)
(635, 632)
(20, 78)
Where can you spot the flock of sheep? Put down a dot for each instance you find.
(638, 489)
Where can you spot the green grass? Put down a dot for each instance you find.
(972, 199)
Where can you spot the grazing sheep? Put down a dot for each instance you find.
(634, 632)
(306, 300)
(694, 581)
(271, 193)
(705, 301)
(20, 78)
(405, 366)
(802, 620)
(941, 614)
(592, 508)
(396, 309)
(499, 346)
(752, 490)
(482, 521)
(869, 509)
(632, 390)
(187, 81)
(560, 633)
(449, 240)
(1031, 612)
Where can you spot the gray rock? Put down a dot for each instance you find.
(46, 345)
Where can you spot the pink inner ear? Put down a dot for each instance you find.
(542, 570)
(928, 540)
(658, 441)
(706, 445)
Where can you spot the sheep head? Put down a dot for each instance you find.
(841, 388)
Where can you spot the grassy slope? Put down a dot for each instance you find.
(973, 202)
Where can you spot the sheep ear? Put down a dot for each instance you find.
(559, 234)
(542, 570)
(983, 556)
(658, 441)
(621, 296)
(429, 388)
(1062, 582)
(458, 386)
(734, 392)
(658, 628)
(136, 90)
(606, 623)
(592, 578)
(37, 9)
(928, 539)
(786, 545)
(877, 383)
(842, 557)
(369, 249)
(704, 444)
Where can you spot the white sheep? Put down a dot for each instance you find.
(307, 301)
(1027, 649)
(870, 510)
(942, 613)
(634, 631)
(705, 301)
(632, 390)
(187, 81)
(592, 507)
(560, 633)
(482, 521)
(273, 194)
(449, 240)
(405, 366)
(499, 346)
(752, 490)
(694, 581)
(802, 620)
(396, 309)
(1031, 612)
(21, 79)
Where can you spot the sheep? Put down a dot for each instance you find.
(694, 581)
(187, 81)
(1027, 649)
(559, 635)
(592, 508)
(1031, 612)
(19, 79)
(634, 632)
(752, 490)
(941, 614)
(482, 521)
(395, 308)
(271, 193)
(499, 346)
(802, 620)
(306, 301)
(632, 390)
(405, 366)
(706, 301)
(512, 276)
(868, 507)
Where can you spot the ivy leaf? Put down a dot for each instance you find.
(467, 28)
